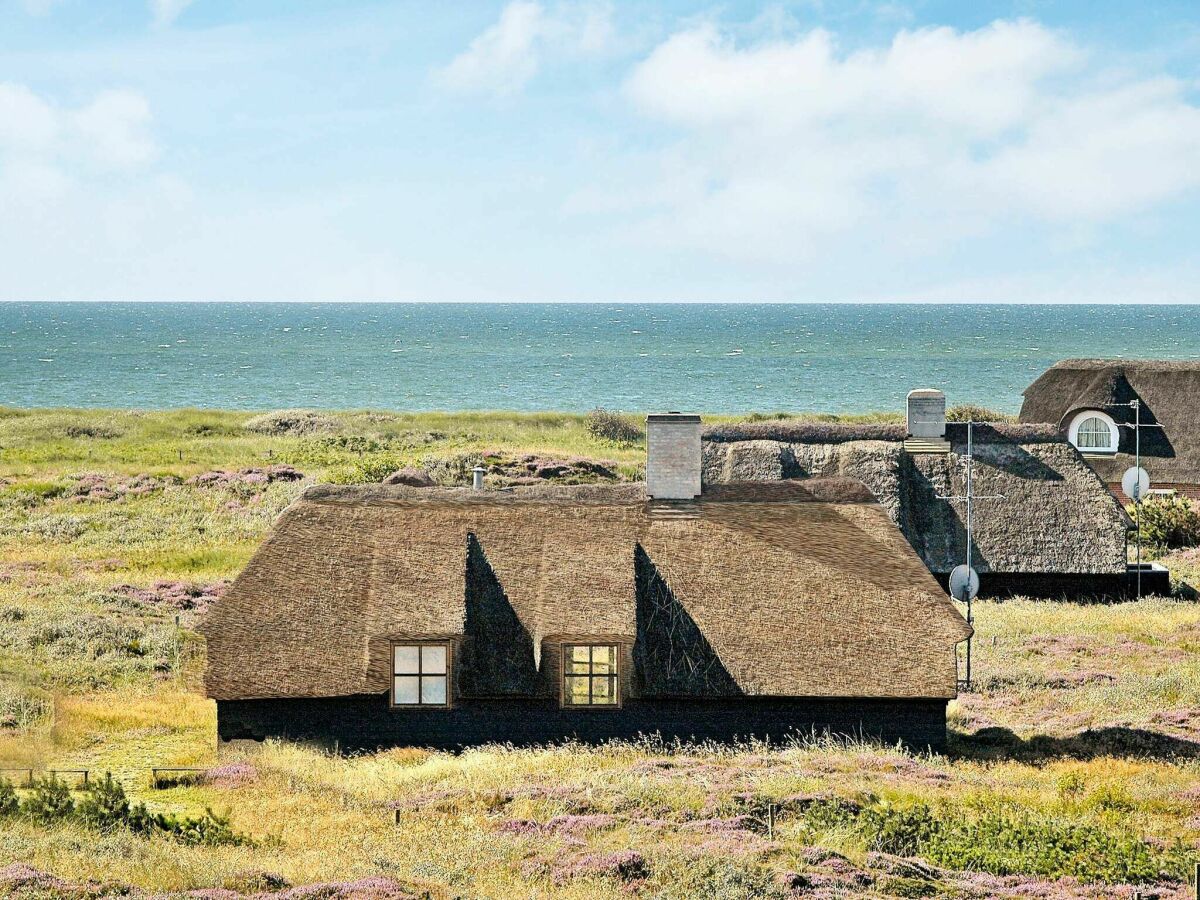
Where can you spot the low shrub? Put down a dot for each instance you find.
(21, 710)
(291, 422)
(105, 806)
(1009, 842)
(9, 802)
(368, 470)
(617, 427)
(1167, 522)
(91, 430)
(970, 412)
(49, 800)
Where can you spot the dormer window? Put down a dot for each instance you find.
(590, 675)
(1093, 431)
(421, 674)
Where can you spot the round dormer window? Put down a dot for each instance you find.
(1093, 431)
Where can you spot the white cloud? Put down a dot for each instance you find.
(167, 11)
(790, 144)
(39, 7)
(115, 125)
(507, 55)
(110, 133)
(27, 122)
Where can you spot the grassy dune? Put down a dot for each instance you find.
(1074, 768)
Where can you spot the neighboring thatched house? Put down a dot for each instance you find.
(1056, 531)
(1088, 400)
(378, 616)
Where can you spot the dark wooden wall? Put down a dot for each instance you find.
(367, 722)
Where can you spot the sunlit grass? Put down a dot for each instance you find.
(1081, 704)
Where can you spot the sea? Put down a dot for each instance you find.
(716, 358)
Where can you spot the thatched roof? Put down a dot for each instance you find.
(1056, 515)
(785, 589)
(1169, 392)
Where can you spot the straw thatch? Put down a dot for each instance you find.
(1056, 516)
(795, 589)
(1169, 392)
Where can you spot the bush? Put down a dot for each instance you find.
(368, 470)
(8, 798)
(969, 412)
(1007, 842)
(291, 422)
(49, 800)
(105, 806)
(613, 426)
(1168, 522)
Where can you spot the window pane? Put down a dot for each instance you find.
(578, 661)
(406, 689)
(1094, 433)
(406, 660)
(604, 690)
(433, 690)
(577, 690)
(604, 660)
(433, 659)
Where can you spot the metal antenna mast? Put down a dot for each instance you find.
(964, 580)
(1136, 481)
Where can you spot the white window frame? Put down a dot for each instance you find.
(1113, 429)
(421, 675)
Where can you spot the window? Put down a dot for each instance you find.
(1094, 432)
(421, 674)
(590, 675)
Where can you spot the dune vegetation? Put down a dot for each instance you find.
(1073, 770)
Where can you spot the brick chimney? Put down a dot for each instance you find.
(673, 457)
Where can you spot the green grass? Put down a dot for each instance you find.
(1076, 755)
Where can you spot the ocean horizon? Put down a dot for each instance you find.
(707, 357)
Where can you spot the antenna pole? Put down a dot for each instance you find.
(1137, 501)
(970, 496)
(965, 595)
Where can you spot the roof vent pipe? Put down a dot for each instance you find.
(673, 456)
(477, 478)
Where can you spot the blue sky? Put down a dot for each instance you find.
(814, 151)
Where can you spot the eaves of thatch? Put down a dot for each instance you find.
(1169, 392)
(1055, 517)
(789, 589)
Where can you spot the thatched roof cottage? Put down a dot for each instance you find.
(1088, 401)
(381, 615)
(1057, 530)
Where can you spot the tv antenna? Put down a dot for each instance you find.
(1136, 480)
(964, 580)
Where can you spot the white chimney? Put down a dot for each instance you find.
(927, 413)
(477, 477)
(673, 456)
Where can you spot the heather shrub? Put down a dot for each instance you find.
(617, 427)
(1167, 522)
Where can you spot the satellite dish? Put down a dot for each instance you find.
(964, 583)
(1135, 483)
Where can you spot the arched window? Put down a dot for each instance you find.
(1093, 431)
